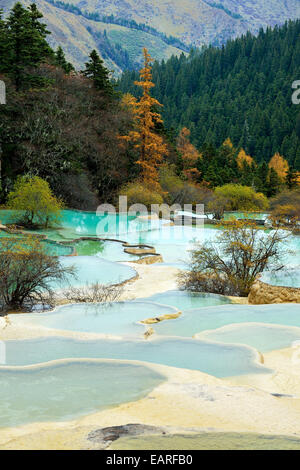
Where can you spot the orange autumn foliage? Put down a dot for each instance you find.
(188, 152)
(228, 143)
(280, 165)
(151, 145)
(244, 158)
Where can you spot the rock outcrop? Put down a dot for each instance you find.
(151, 259)
(103, 437)
(262, 293)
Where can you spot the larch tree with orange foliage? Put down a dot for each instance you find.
(280, 165)
(151, 146)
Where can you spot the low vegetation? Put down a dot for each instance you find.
(230, 265)
(241, 198)
(27, 274)
(34, 202)
(285, 207)
(93, 293)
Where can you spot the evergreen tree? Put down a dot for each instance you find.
(26, 44)
(273, 184)
(242, 91)
(60, 60)
(3, 43)
(95, 70)
(291, 178)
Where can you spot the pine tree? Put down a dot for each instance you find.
(37, 36)
(291, 178)
(26, 44)
(3, 43)
(60, 60)
(274, 183)
(95, 70)
(150, 144)
(253, 108)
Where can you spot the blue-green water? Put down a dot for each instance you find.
(262, 337)
(54, 249)
(183, 300)
(117, 318)
(92, 269)
(65, 391)
(172, 242)
(51, 247)
(246, 215)
(209, 318)
(112, 251)
(230, 332)
(211, 358)
(287, 277)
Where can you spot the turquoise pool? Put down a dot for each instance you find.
(92, 269)
(262, 337)
(183, 300)
(228, 335)
(111, 251)
(246, 215)
(209, 318)
(212, 358)
(287, 278)
(64, 391)
(74, 224)
(117, 318)
(172, 242)
(51, 247)
(54, 249)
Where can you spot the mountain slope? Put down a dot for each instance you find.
(199, 21)
(242, 92)
(195, 22)
(78, 36)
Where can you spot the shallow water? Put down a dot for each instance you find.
(209, 318)
(211, 358)
(51, 248)
(246, 215)
(117, 318)
(54, 249)
(112, 251)
(65, 391)
(183, 300)
(260, 336)
(172, 242)
(207, 441)
(287, 278)
(93, 269)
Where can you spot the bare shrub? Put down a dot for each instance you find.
(230, 265)
(93, 293)
(27, 274)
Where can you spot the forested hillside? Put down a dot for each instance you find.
(57, 124)
(119, 42)
(90, 143)
(241, 91)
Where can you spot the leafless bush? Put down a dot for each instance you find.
(27, 274)
(91, 293)
(231, 263)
